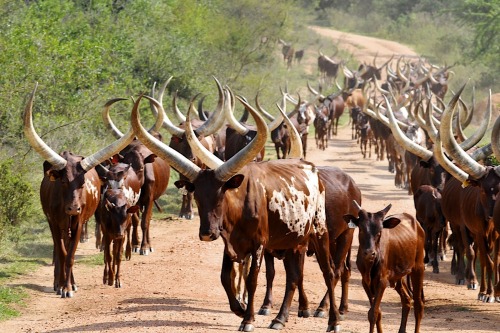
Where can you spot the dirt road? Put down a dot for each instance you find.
(177, 288)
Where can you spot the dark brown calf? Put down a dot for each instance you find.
(427, 200)
(116, 213)
(391, 252)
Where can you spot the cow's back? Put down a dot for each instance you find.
(294, 198)
(403, 246)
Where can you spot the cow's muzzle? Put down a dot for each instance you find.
(209, 237)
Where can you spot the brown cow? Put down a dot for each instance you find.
(427, 200)
(340, 191)
(116, 214)
(390, 252)
(152, 173)
(118, 176)
(69, 193)
(470, 209)
(255, 206)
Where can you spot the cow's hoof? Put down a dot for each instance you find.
(135, 250)
(341, 317)
(333, 328)
(460, 282)
(58, 291)
(246, 328)
(304, 313)
(151, 250)
(276, 325)
(435, 270)
(497, 299)
(67, 294)
(74, 287)
(264, 311)
(144, 252)
(472, 286)
(319, 314)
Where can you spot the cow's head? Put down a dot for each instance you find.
(117, 212)
(370, 227)
(67, 169)
(208, 186)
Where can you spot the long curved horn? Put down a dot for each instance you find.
(461, 158)
(201, 113)
(107, 119)
(98, 157)
(174, 158)
(266, 114)
(229, 109)
(495, 136)
(216, 120)
(479, 133)
(402, 139)
(295, 142)
(207, 157)
(247, 154)
(451, 168)
(35, 141)
(175, 107)
(167, 124)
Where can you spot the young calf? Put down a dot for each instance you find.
(390, 249)
(116, 213)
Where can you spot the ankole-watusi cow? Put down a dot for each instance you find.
(254, 206)
(70, 194)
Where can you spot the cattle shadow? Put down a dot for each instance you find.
(141, 324)
(35, 287)
(163, 304)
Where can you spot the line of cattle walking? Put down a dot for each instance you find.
(288, 208)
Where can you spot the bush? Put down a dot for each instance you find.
(16, 196)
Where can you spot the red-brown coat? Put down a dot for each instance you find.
(69, 199)
(391, 250)
(116, 213)
(154, 174)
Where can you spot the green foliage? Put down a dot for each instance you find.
(16, 196)
(10, 299)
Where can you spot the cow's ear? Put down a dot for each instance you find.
(235, 181)
(150, 159)
(351, 220)
(391, 222)
(184, 183)
(53, 174)
(132, 210)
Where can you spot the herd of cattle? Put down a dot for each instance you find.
(288, 208)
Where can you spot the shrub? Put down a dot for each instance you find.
(16, 196)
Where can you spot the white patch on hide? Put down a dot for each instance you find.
(91, 188)
(131, 196)
(292, 209)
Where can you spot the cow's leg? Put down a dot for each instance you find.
(145, 224)
(417, 281)
(98, 237)
(107, 259)
(374, 314)
(135, 232)
(471, 259)
(117, 259)
(76, 230)
(267, 305)
(486, 291)
(294, 265)
(128, 245)
(402, 290)
(322, 247)
(251, 283)
(227, 281)
(496, 252)
(84, 236)
(434, 252)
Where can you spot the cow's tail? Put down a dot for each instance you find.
(158, 206)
